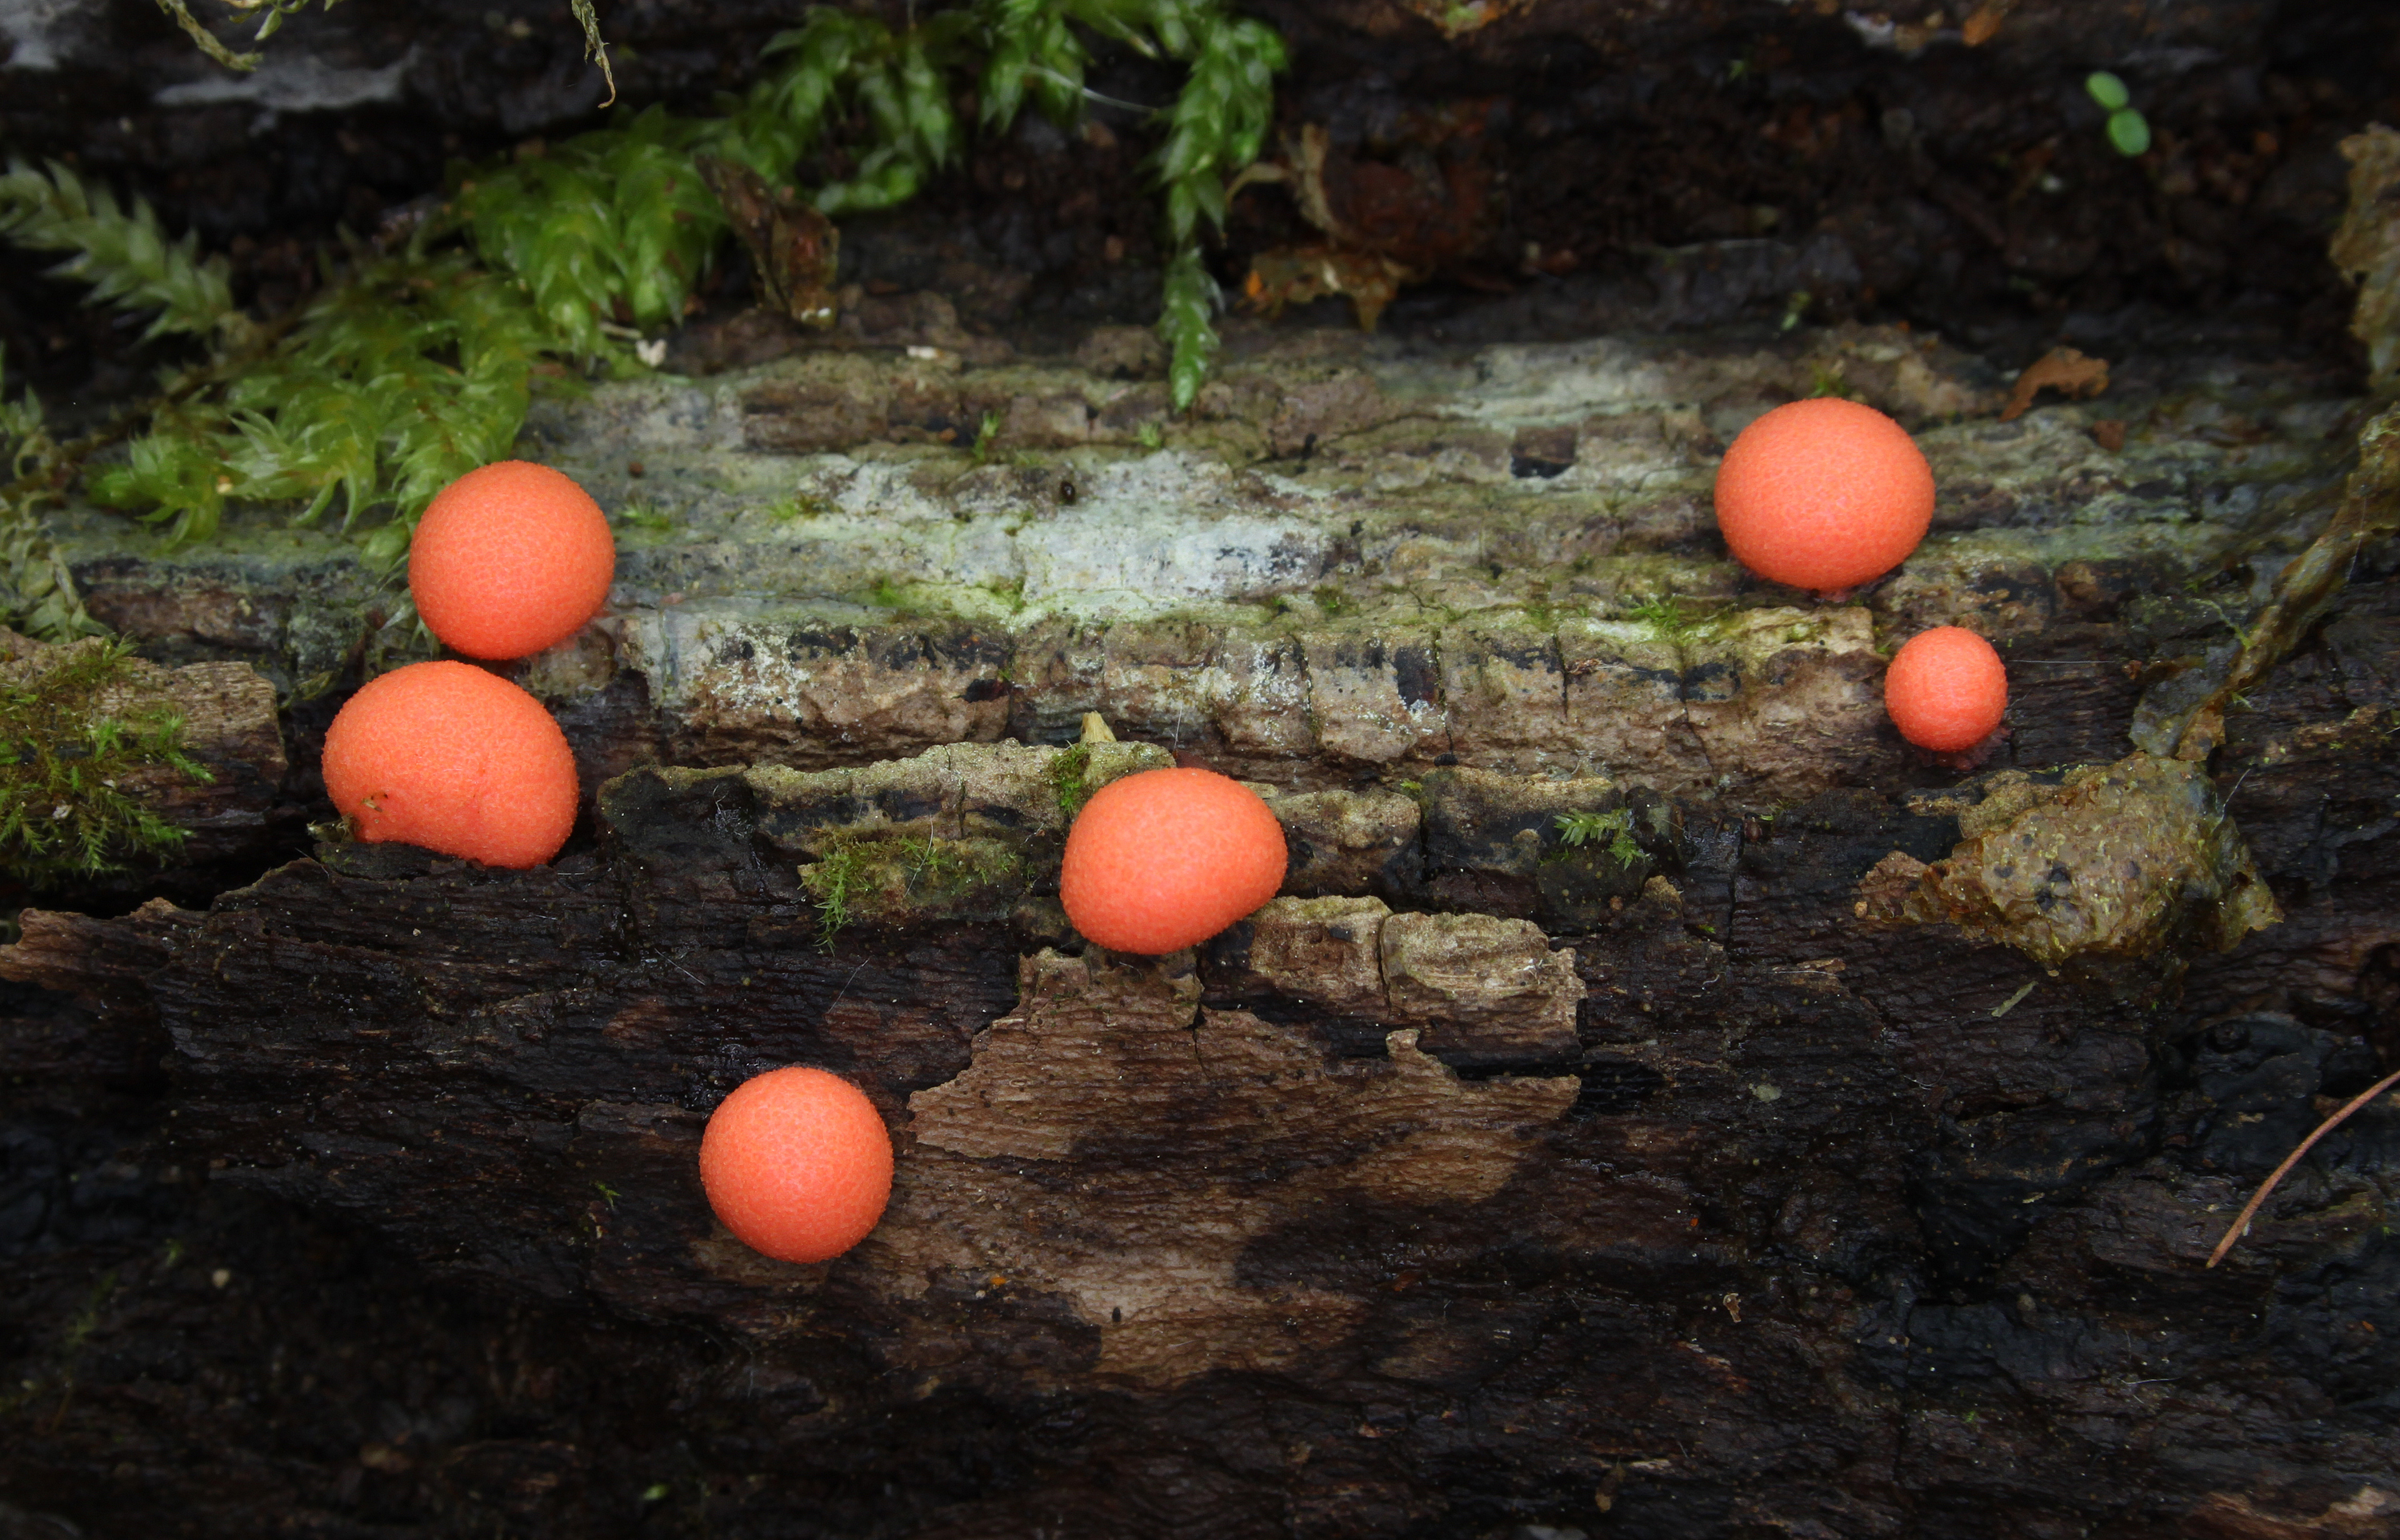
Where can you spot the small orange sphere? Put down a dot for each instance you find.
(1165, 859)
(1823, 494)
(1946, 690)
(455, 759)
(508, 560)
(797, 1164)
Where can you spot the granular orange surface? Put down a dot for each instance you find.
(1946, 690)
(511, 559)
(1165, 859)
(1823, 494)
(797, 1164)
(457, 760)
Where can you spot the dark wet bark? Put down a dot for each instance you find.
(1823, 1230)
(1484, 1183)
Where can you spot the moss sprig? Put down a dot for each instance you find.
(37, 593)
(1614, 827)
(119, 250)
(394, 383)
(67, 748)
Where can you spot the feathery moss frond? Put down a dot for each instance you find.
(120, 253)
(414, 371)
(37, 595)
(1186, 320)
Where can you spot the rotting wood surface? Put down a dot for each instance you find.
(1482, 1182)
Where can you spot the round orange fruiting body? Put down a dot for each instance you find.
(1946, 690)
(797, 1164)
(447, 756)
(511, 559)
(1823, 494)
(1166, 858)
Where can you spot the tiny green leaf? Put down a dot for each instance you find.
(2130, 131)
(2107, 90)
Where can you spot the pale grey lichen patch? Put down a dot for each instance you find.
(1145, 558)
(294, 82)
(812, 691)
(1356, 559)
(41, 34)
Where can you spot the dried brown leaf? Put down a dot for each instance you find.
(2062, 369)
(1983, 23)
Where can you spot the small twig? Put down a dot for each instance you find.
(207, 42)
(594, 50)
(2241, 1221)
(847, 982)
(2013, 1000)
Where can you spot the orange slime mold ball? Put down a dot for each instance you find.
(797, 1164)
(508, 560)
(455, 759)
(1823, 494)
(1167, 858)
(1946, 690)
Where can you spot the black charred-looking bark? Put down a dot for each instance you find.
(1763, 1180)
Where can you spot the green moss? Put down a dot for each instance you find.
(1068, 777)
(65, 811)
(1579, 829)
(800, 506)
(1675, 623)
(411, 366)
(895, 875)
(829, 882)
(648, 517)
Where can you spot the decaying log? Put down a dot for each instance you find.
(1338, 1190)
(1798, 1165)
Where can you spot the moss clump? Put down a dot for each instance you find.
(67, 752)
(1070, 777)
(893, 876)
(828, 881)
(1611, 830)
(1675, 623)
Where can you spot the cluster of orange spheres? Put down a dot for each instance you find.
(513, 558)
(798, 1163)
(510, 559)
(1827, 494)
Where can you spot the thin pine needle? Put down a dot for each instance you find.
(2241, 1221)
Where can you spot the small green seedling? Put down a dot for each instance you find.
(2128, 129)
(985, 432)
